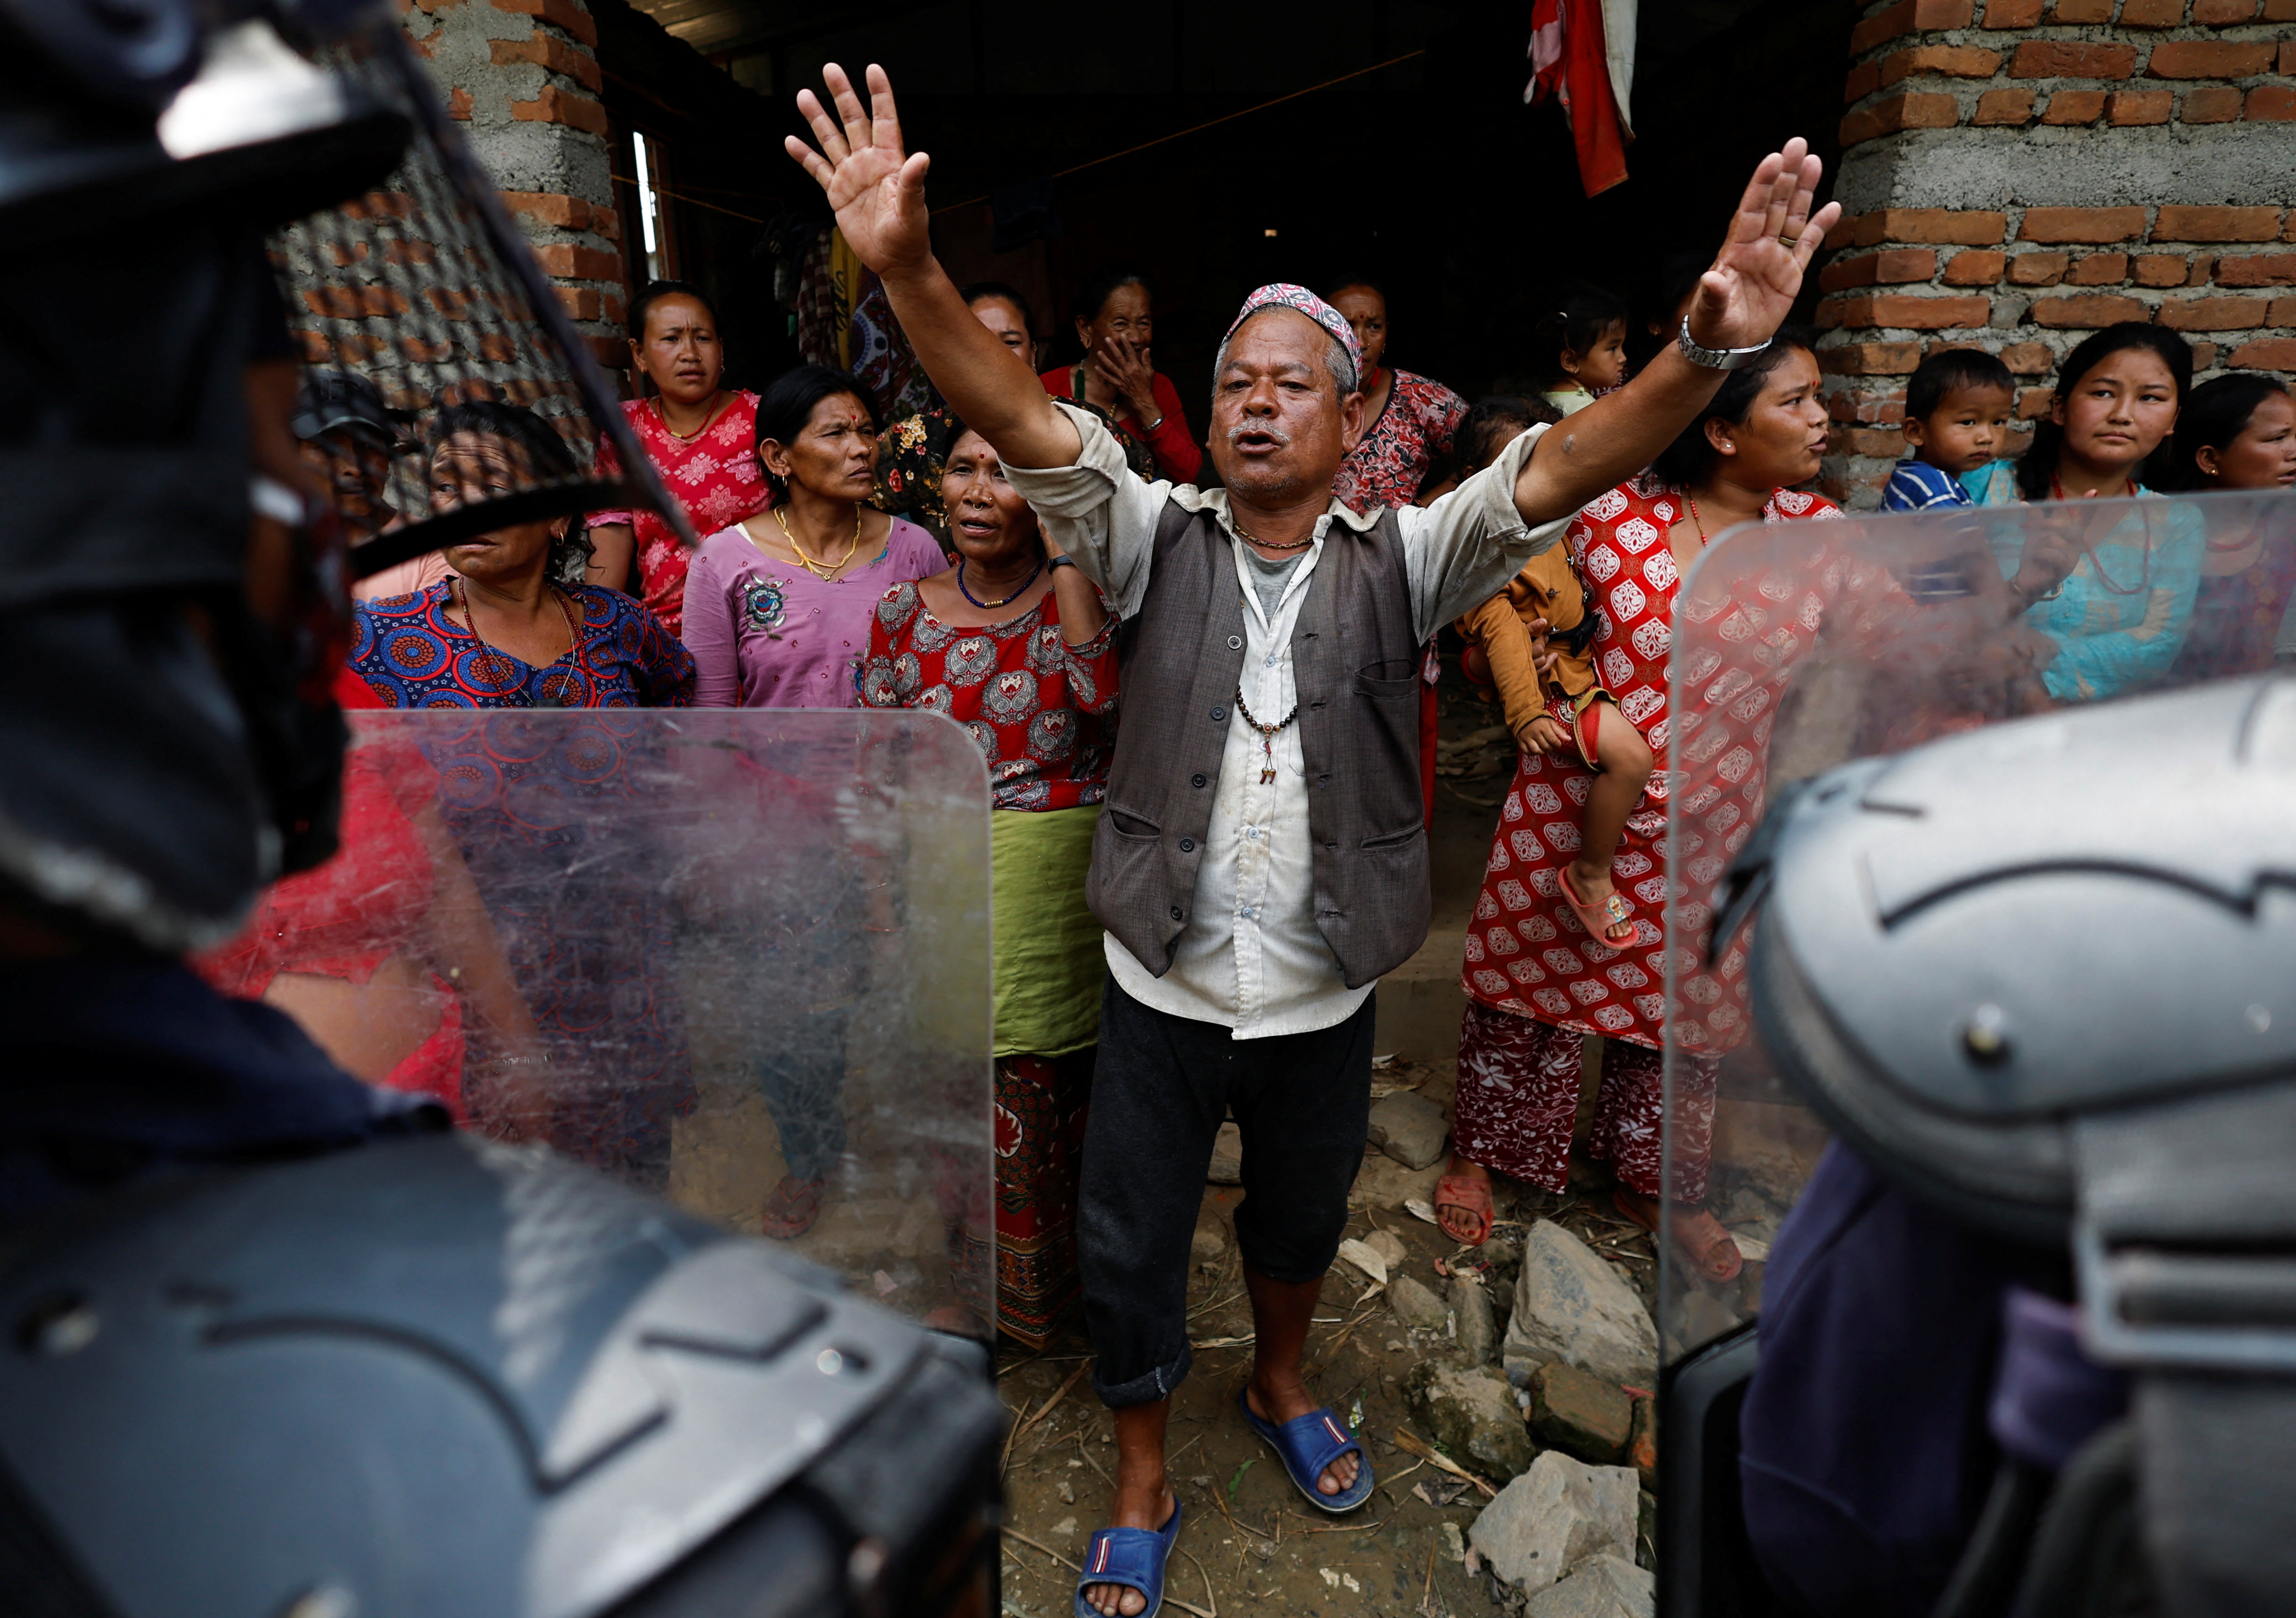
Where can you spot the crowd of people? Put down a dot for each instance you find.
(1190, 925)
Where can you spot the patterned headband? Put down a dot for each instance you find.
(1283, 295)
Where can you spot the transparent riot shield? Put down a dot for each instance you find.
(1798, 648)
(737, 957)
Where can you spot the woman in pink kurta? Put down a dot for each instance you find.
(1536, 981)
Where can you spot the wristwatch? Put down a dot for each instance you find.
(1713, 359)
(1060, 561)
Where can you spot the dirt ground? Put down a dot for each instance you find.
(1251, 1544)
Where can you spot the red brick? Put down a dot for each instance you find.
(1870, 359)
(2209, 59)
(1904, 310)
(2139, 106)
(2266, 354)
(2162, 269)
(2100, 269)
(617, 311)
(611, 353)
(2257, 269)
(2215, 314)
(2223, 13)
(2287, 58)
(559, 13)
(2003, 107)
(2271, 103)
(1881, 28)
(2074, 12)
(1865, 78)
(2074, 107)
(607, 223)
(2072, 59)
(1888, 442)
(2280, 10)
(2282, 312)
(1947, 60)
(582, 302)
(1845, 231)
(2012, 13)
(458, 103)
(549, 207)
(2204, 354)
(1895, 264)
(1945, 226)
(354, 302)
(1916, 109)
(2211, 104)
(2086, 309)
(2082, 224)
(555, 55)
(2039, 269)
(2181, 223)
(2033, 403)
(557, 106)
(2152, 13)
(2029, 358)
(1846, 406)
(1979, 266)
(579, 263)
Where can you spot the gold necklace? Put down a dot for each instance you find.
(1270, 545)
(662, 417)
(824, 571)
(471, 619)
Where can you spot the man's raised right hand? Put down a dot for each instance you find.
(877, 191)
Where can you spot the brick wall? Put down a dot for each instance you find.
(2017, 173)
(523, 78)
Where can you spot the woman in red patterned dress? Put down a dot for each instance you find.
(700, 438)
(1536, 981)
(1015, 645)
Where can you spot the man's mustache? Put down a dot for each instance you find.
(1265, 429)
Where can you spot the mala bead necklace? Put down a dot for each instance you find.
(1267, 733)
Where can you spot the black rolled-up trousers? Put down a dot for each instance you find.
(1163, 1086)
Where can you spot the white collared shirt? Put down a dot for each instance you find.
(1251, 958)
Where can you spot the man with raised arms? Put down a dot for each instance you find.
(1262, 857)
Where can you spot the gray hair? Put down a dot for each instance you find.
(1337, 360)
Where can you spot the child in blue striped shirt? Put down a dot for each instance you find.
(1957, 405)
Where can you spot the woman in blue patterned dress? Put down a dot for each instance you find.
(573, 882)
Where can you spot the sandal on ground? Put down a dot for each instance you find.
(1133, 1557)
(1473, 1196)
(1600, 921)
(793, 1207)
(1716, 1256)
(1307, 1445)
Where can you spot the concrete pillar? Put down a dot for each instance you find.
(2018, 173)
(523, 78)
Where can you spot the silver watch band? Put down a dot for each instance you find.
(1713, 359)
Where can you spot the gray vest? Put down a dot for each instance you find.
(1355, 663)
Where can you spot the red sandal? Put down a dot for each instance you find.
(793, 1207)
(1600, 921)
(1473, 1196)
(1716, 1257)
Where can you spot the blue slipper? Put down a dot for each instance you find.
(1133, 1557)
(1310, 1443)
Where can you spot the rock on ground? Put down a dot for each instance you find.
(1227, 1157)
(1389, 1246)
(1473, 1413)
(1416, 1304)
(1554, 1517)
(1578, 1412)
(1602, 1587)
(1409, 1129)
(1571, 1306)
(1479, 1333)
(1208, 1247)
(1384, 1183)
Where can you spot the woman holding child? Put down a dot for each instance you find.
(1556, 950)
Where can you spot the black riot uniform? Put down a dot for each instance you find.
(279, 1342)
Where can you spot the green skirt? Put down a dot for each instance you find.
(1049, 959)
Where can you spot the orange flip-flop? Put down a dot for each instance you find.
(1723, 1268)
(1600, 921)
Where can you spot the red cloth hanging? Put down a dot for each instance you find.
(1568, 62)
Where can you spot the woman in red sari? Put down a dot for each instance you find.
(1536, 981)
(701, 439)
